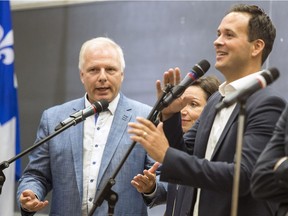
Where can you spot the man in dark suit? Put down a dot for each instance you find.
(270, 177)
(204, 159)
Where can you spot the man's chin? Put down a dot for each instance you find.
(218, 65)
(104, 98)
(98, 98)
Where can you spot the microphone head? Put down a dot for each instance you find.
(101, 105)
(270, 75)
(201, 68)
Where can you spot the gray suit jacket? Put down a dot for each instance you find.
(57, 165)
(184, 162)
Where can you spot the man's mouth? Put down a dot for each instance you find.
(221, 53)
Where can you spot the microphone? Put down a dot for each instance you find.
(81, 115)
(260, 81)
(197, 71)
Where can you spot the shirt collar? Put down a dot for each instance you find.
(112, 105)
(226, 89)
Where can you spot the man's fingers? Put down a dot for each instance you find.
(154, 167)
(28, 193)
(30, 202)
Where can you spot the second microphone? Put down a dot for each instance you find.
(196, 72)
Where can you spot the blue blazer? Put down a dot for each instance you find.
(57, 165)
(184, 161)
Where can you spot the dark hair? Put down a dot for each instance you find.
(209, 84)
(260, 26)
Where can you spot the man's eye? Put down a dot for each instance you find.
(110, 70)
(94, 70)
(229, 35)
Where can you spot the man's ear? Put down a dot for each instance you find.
(81, 76)
(258, 46)
(122, 78)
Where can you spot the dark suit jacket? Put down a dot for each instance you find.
(184, 161)
(268, 184)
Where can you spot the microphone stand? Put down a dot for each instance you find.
(5, 164)
(239, 143)
(107, 193)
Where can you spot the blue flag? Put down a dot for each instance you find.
(9, 117)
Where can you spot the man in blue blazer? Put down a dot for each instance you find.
(76, 164)
(203, 160)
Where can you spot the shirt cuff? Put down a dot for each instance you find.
(151, 195)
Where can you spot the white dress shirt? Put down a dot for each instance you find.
(221, 120)
(94, 141)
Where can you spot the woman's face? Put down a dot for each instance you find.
(191, 112)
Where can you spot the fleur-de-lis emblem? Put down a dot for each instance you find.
(6, 51)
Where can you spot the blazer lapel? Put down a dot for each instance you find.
(205, 129)
(76, 140)
(76, 135)
(231, 120)
(119, 127)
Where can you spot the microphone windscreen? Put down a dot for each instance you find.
(202, 67)
(101, 105)
(270, 75)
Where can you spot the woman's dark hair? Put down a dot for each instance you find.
(209, 84)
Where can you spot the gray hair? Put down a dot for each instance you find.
(101, 41)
